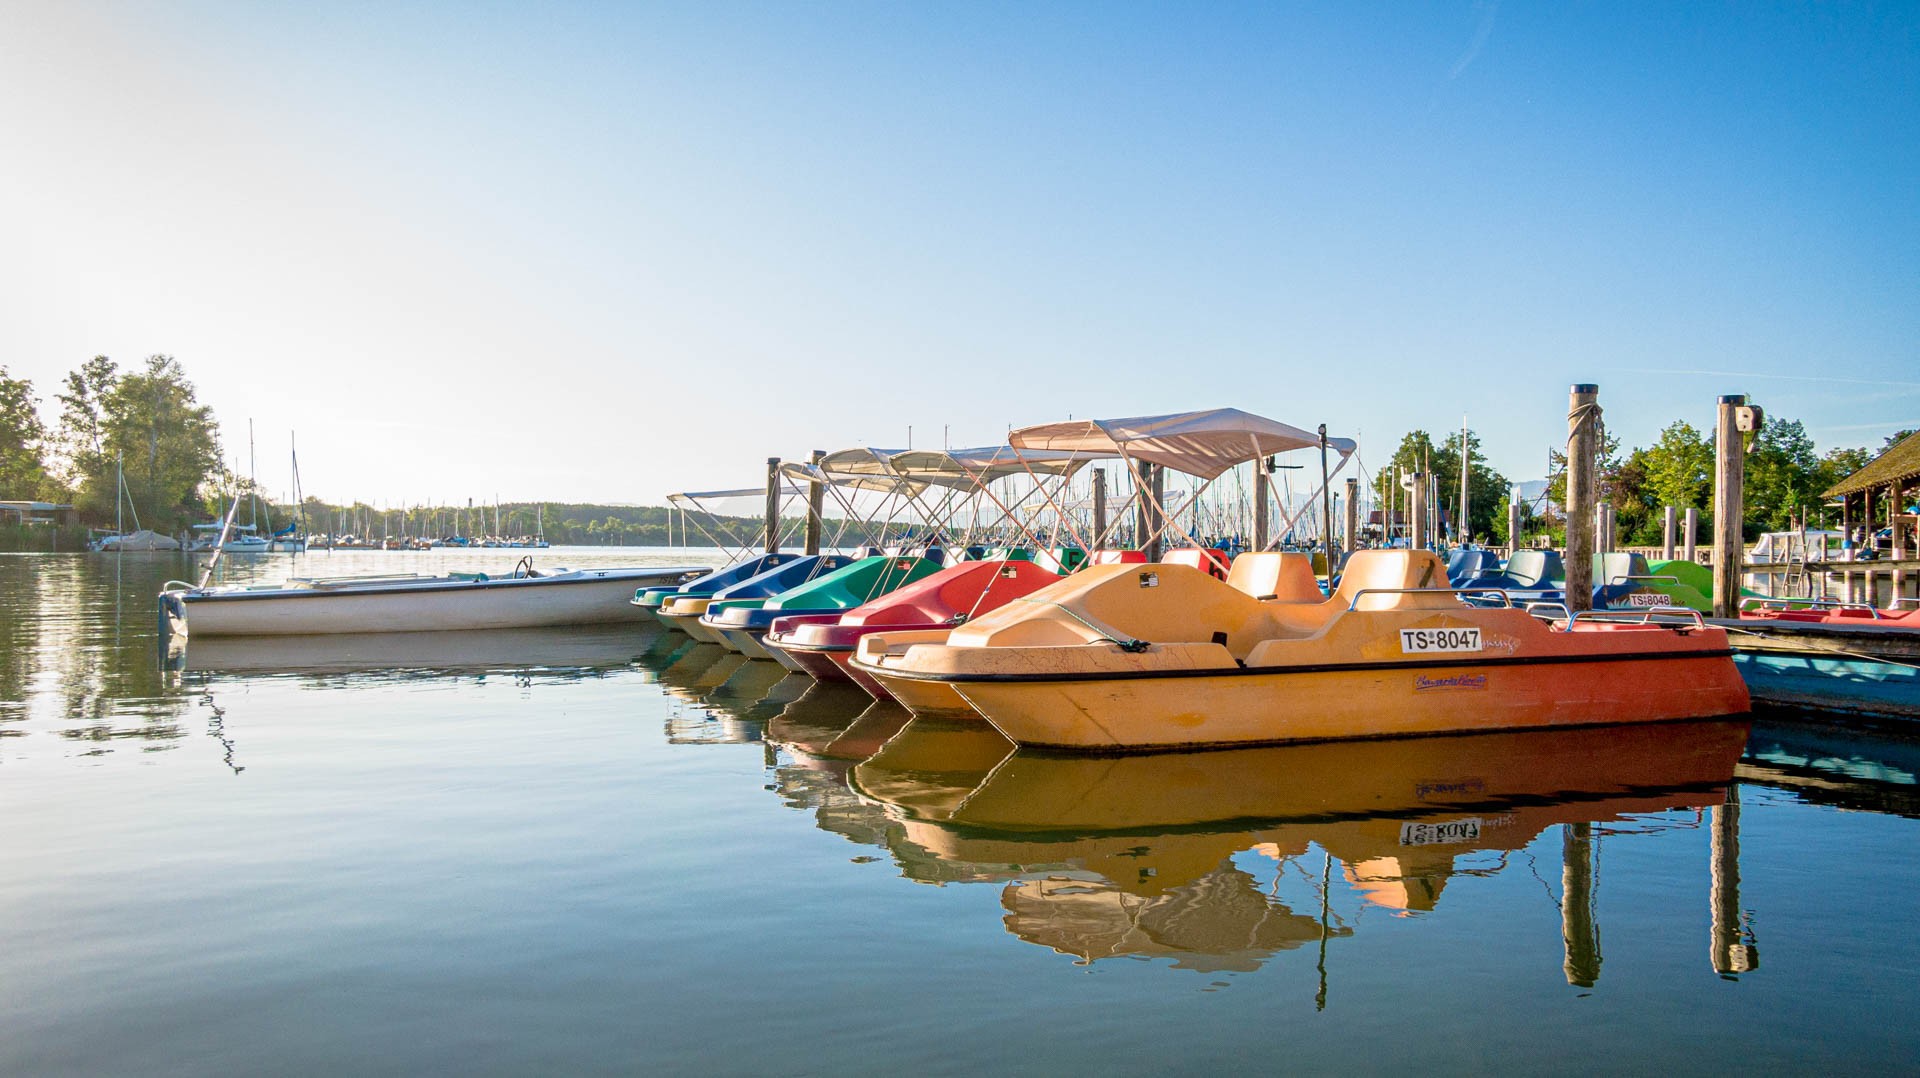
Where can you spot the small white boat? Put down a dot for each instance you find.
(140, 541)
(411, 602)
(246, 542)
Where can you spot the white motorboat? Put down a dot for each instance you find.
(412, 602)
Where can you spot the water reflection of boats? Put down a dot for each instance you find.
(1849, 769)
(735, 710)
(681, 676)
(833, 720)
(1149, 850)
(574, 649)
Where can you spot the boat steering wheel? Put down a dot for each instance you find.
(525, 568)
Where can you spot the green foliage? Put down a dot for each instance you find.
(1899, 436)
(1415, 449)
(1783, 476)
(150, 422)
(1679, 468)
(80, 438)
(1840, 463)
(562, 523)
(1487, 490)
(23, 472)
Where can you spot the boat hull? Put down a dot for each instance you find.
(1249, 707)
(590, 597)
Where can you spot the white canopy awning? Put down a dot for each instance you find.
(1203, 444)
(692, 499)
(870, 476)
(958, 467)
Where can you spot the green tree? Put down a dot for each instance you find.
(1899, 436)
(1783, 475)
(1487, 489)
(165, 439)
(1679, 468)
(82, 463)
(23, 470)
(1839, 463)
(1416, 449)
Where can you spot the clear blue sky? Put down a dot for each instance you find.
(604, 252)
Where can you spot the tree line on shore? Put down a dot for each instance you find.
(142, 430)
(140, 437)
(1786, 477)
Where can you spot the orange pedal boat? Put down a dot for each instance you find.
(1142, 657)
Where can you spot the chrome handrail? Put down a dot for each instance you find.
(1506, 599)
(1646, 615)
(1566, 612)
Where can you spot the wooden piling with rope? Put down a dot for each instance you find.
(1583, 442)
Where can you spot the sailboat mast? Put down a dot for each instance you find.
(253, 480)
(1466, 462)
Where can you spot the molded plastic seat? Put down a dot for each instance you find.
(1061, 559)
(1466, 566)
(1118, 603)
(1270, 575)
(1528, 570)
(1389, 573)
(1119, 557)
(1614, 567)
(1215, 562)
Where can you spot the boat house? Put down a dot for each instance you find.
(59, 516)
(1881, 496)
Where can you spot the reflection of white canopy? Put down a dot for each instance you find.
(1203, 444)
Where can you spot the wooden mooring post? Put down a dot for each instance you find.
(1262, 482)
(816, 507)
(1689, 548)
(1099, 509)
(773, 505)
(1352, 542)
(1513, 519)
(1735, 420)
(1669, 524)
(1583, 443)
(1418, 509)
(1149, 515)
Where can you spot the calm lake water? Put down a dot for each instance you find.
(616, 851)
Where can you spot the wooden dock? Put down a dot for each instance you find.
(1864, 670)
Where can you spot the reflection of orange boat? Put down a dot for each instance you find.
(1397, 814)
(1129, 657)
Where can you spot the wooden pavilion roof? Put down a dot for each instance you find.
(1896, 465)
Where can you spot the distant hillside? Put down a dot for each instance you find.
(562, 523)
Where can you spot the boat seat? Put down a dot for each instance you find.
(1614, 567)
(1119, 557)
(1536, 568)
(1466, 566)
(1162, 604)
(1062, 559)
(1395, 571)
(1270, 575)
(1214, 562)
